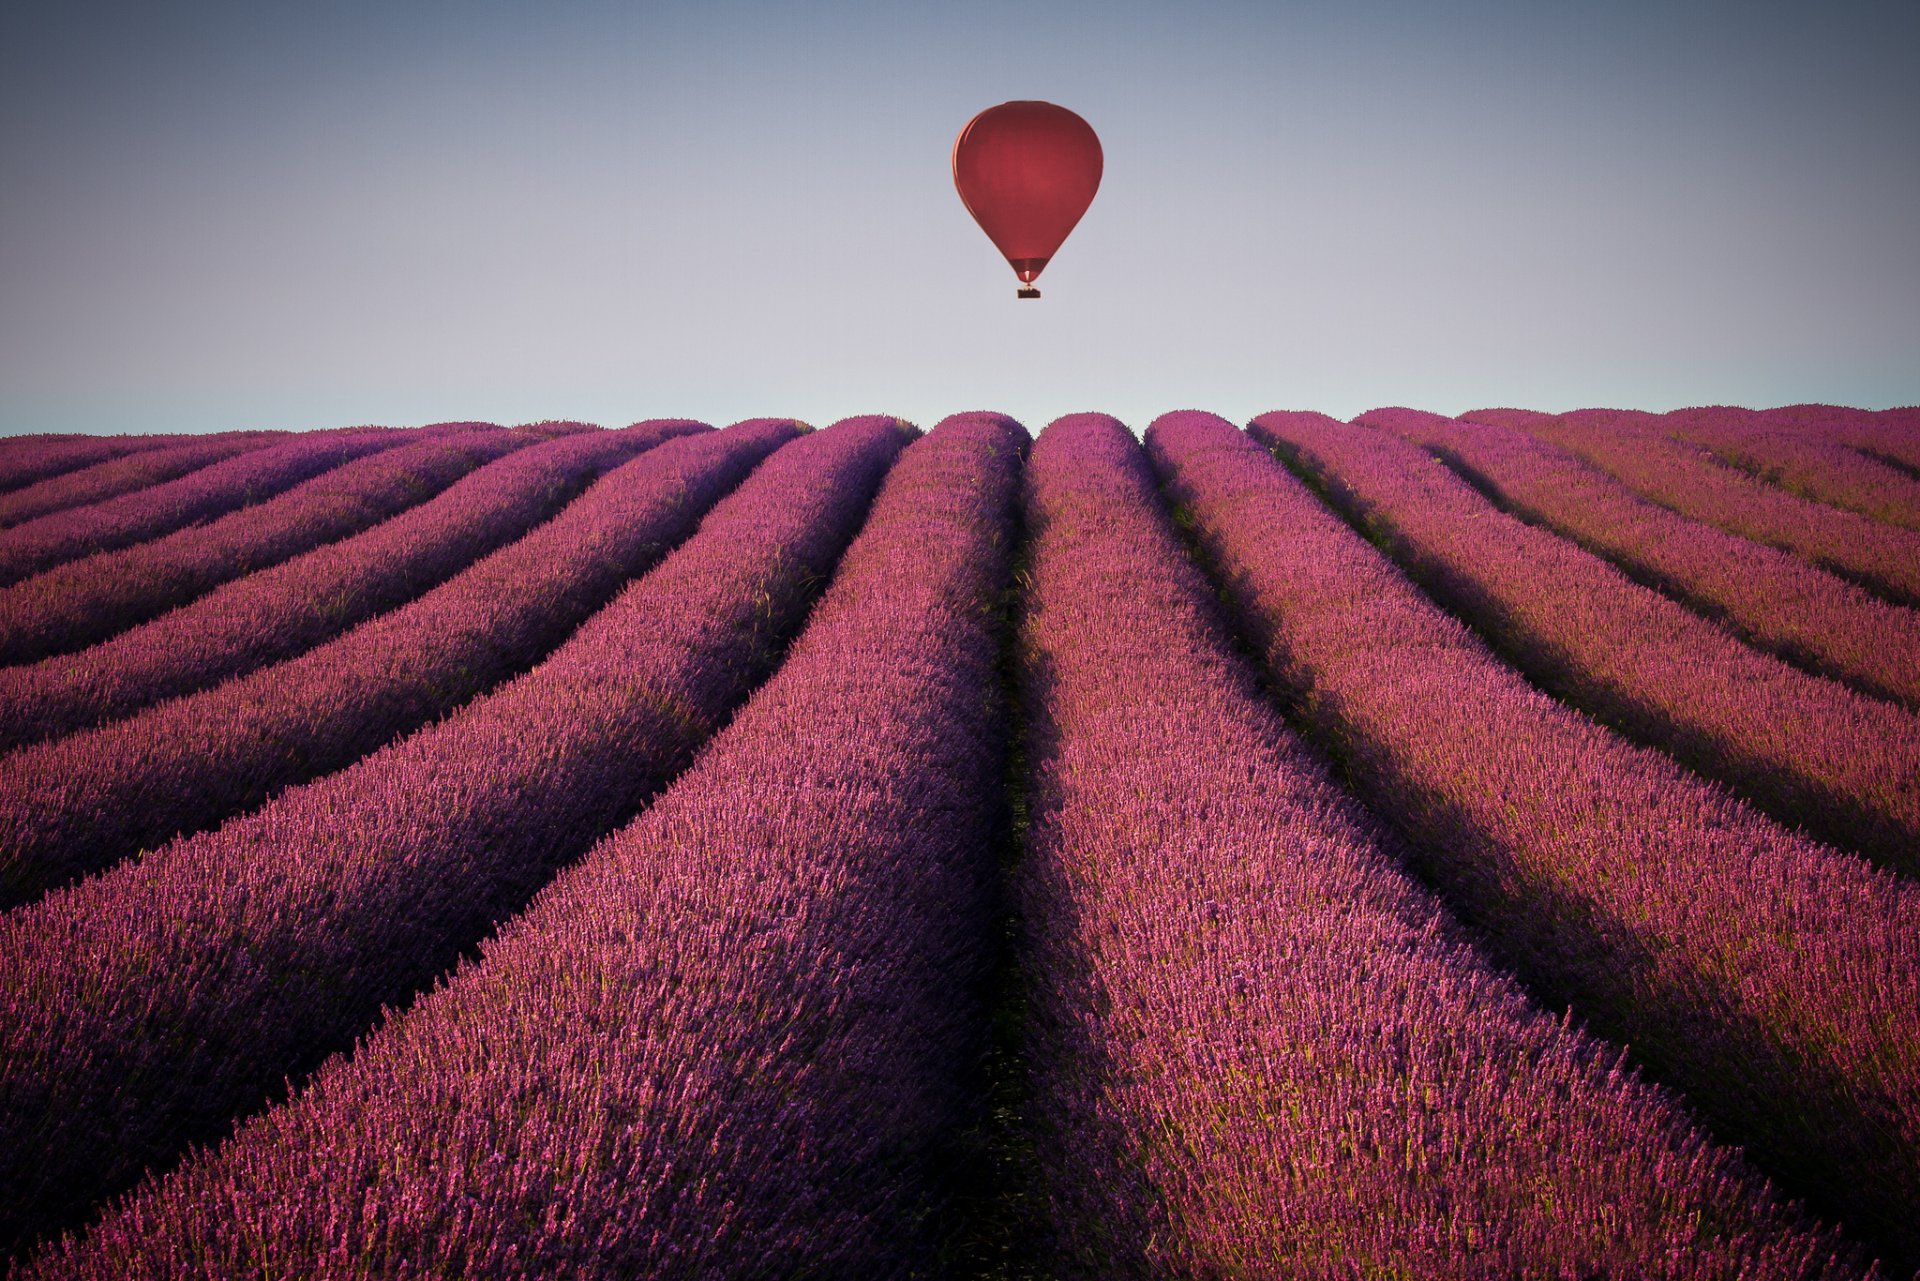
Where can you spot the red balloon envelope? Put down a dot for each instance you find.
(1026, 172)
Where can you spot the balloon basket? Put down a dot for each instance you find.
(1027, 292)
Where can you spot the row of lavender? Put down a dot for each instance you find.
(29, 460)
(42, 482)
(41, 476)
(1771, 598)
(1835, 458)
(145, 1007)
(1804, 747)
(80, 602)
(1261, 1049)
(151, 510)
(271, 615)
(1709, 1176)
(77, 804)
(1648, 453)
(733, 1039)
(1776, 981)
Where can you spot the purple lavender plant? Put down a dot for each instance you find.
(1778, 450)
(1686, 479)
(85, 601)
(28, 460)
(82, 803)
(1260, 1048)
(212, 491)
(1514, 418)
(128, 473)
(276, 614)
(730, 1041)
(1773, 980)
(1806, 749)
(1890, 436)
(1769, 598)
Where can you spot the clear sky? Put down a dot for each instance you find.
(304, 215)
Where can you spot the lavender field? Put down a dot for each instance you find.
(1413, 847)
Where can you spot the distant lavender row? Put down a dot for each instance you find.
(444, 1141)
(278, 613)
(1809, 463)
(1807, 749)
(286, 930)
(203, 495)
(1777, 982)
(1680, 476)
(1773, 599)
(27, 439)
(84, 601)
(32, 439)
(1889, 435)
(1517, 419)
(27, 460)
(127, 473)
(550, 428)
(82, 803)
(1261, 1050)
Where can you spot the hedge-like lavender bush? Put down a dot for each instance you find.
(82, 803)
(275, 614)
(1804, 748)
(1260, 1049)
(1773, 980)
(1812, 464)
(1770, 598)
(225, 962)
(1888, 435)
(729, 1041)
(1685, 478)
(253, 477)
(126, 473)
(28, 460)
(83, 601)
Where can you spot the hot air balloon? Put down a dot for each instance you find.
(1026, 172)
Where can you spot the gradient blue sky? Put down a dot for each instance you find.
(303, 215)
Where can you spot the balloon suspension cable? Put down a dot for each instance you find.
(1026, 291)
